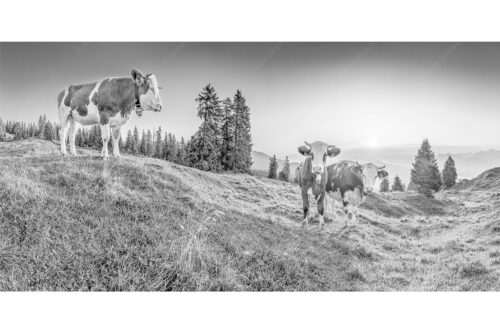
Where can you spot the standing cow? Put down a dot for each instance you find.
(108, 102)
(313, 175)
(349, 182)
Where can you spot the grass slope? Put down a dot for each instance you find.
(80, 223)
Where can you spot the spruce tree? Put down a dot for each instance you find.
(149, 143)
(273, 167)
(242, 136)
(47, 135)
(397, 185)
(181, 152)
(449, 174)
(204, 151)
(227, 133)
(284, 174)
(136, 142)
(384, 185)
(425, 175)
(129, 142)
(158, 149)
(42, 120)
(17, 131)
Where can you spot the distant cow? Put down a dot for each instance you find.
(349, 182)
(312, 175)
(108, 102)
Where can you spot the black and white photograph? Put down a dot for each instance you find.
(219, 166)
(178, 166)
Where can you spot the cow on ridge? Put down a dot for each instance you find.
(349, 183)
(313, 175)
(108, 102)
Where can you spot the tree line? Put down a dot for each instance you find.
(223, 141)
(425, 175)
(18, 130)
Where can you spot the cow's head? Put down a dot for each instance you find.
(148, 91)
(318, 152)
(369, 172)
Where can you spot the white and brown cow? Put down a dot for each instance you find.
(349, 182)
(108, 102)
(313, 175)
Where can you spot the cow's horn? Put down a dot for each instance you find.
(358, 163)
(380, 168)
(307, 144)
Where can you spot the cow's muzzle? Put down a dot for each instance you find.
(369, 190)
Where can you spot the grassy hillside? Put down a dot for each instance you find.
(80, 223)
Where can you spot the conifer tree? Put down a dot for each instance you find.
(242, 135)
(384, 185)
(284, 174)
(149, 143)
(397, 185)
(449, 174)
(158, 149)
(42, 120)
(129, 142)
(425, 176)
(273, 167)
(121, 143)
(136, 142)
(228, 146)
(204, 152)
(47, 135)
(17, 131)
(181, 152)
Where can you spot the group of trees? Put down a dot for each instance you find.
(19, 130)
(425, 175)
(397, 185)
(284, 174)
(163, 146)
(223, 140)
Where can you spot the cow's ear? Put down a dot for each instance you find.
(333, 151)
(138, 77)
(382, 174)
(304, 150)
(357, 169)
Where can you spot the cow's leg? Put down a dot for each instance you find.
(305, 205)
(347, 208)
(105, 132)
(116, 138)
(64, 115)
(321, 209)
(72, 134)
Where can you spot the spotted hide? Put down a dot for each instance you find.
(312, 176)
(349, 182)
(108, 103)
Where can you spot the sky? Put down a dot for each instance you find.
(366, 95)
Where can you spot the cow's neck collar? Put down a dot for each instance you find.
(137, 100)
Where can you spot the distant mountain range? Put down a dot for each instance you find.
(398, 160)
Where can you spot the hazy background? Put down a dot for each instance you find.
(374, 100)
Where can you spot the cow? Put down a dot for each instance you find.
(312, 175)
(108, 102)
(349, 182)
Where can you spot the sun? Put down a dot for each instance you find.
(371, 142)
